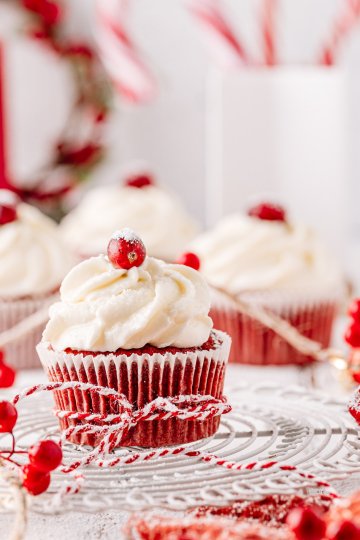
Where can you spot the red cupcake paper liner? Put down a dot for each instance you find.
(253, 343)
(21, 353)
(141, 378)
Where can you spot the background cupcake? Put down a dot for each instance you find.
(33, 262)
(140, 326)
(267, 261)
(139, 204)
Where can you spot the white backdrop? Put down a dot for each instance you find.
(170, 132)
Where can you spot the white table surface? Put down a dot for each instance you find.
(108, 525)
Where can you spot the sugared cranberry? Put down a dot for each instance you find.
(7, 375)
(139, 181)
(8, 206)
(45, 455)
(268, 212)
(33, 480)
(354, 407)
(306, 524)
(354, 309)
(8, 416)
(352, 335)
(346, 530)
(126, 249)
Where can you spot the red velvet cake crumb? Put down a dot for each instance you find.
(212, 343)
(273, 509)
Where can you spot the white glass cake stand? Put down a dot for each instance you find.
(291, 426)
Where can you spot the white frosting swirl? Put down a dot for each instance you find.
(248, 254)
(103, 308)
(156, 216)
(33, 257)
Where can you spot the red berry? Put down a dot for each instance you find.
(139, 181)
(8, 206)
(8, 416)
(354, 407)
(352, 335)
(189, 259)
(45, 455)
(7, 375)
(268, 212)
(354, 309)
(306, 524)
(126, 249)
(346, 530)
(33, 480)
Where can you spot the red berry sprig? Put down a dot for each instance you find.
(8, 416)
(352, 338)
(345, 530)
(44, 457)
(268, 212)
(126, 250)
(306, 524)
(140, 181)
(7, 373)
(190, 259)
(9, 202)
(354, 406)
(352, 334)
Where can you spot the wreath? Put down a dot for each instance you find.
(72, 160)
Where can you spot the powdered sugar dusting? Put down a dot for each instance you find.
(126, 234)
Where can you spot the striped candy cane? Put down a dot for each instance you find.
(343, 25)
(221, 40)
(131, 77)
(268, 20)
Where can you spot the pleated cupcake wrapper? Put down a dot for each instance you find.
(141, 378)
(253, 343)
(21, 353)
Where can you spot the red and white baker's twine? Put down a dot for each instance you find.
(129, 73)
(114, 427)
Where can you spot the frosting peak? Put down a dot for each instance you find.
(245, 254)
(154, 214)
(104, 308)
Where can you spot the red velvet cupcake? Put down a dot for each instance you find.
(33, 262)
(264, 260)
(141, 327)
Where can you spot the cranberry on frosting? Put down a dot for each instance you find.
(127, 301)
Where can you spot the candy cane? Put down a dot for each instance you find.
(130, 75)
(342, 27)
(222, 42)
(268, 31)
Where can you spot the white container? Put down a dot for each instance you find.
(280, 132)
(38, 93)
